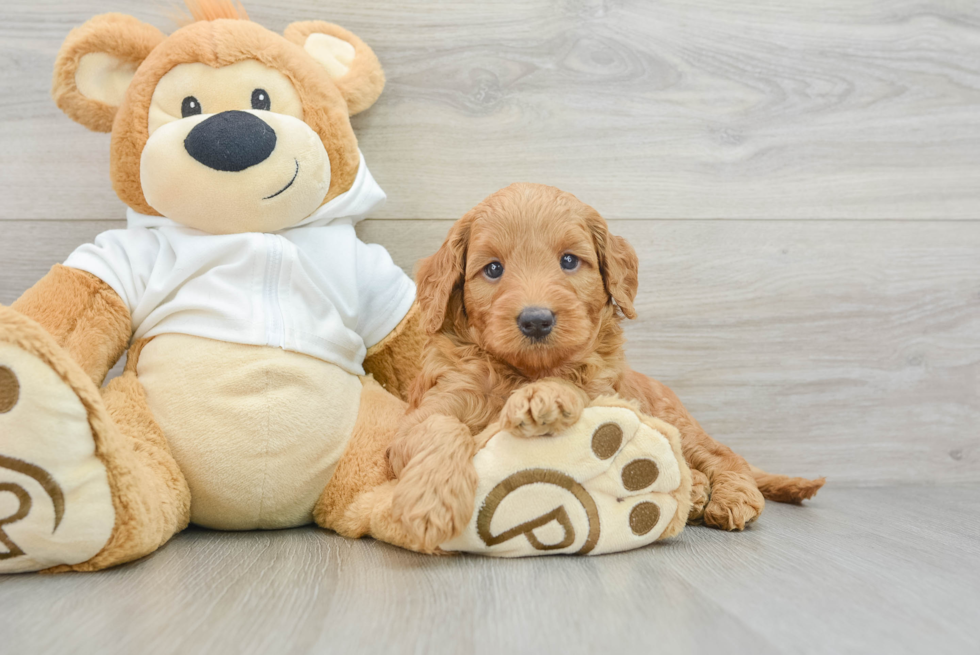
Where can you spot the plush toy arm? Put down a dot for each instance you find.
(85, 316)
(397, 359)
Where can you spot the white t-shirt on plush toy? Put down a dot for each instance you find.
(313, 288)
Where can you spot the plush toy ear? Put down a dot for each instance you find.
(617, 262)
(349, 62)
(95, 65)
(439, 275)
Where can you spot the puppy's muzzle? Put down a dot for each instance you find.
(536, 322)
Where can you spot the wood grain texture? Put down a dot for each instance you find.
(666, 109)
(850, 350)
(845, 349)
(890, 570)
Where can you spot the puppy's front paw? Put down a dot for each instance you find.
(543, 408)
(433, 501)
(399, 454)
(735, 502)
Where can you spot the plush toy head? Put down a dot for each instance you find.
(223, 126)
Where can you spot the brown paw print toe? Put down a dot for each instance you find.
(643, 518)
(640, 474)
(9, 390)
(606, 440)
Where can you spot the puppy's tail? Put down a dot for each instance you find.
(784, 489)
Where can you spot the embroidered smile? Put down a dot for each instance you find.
(288, 185)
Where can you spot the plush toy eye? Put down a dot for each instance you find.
(260, 100)
(493, 270)
(569, 262)
(190, 107)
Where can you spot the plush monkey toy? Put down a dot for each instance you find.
(251, 315)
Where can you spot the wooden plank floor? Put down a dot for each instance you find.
(841, 347)
(887, 570)
(802, 182)
(666, 109)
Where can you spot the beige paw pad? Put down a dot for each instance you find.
(604, 485)
(55, 503)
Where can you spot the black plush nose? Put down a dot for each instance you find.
(536, 322)
(231, 141)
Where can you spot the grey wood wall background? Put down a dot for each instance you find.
(802, 184)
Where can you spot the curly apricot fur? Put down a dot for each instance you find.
(480, 374)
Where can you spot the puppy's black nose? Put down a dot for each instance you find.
(536, 322)
(231, 141)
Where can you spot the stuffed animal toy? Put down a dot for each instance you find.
(267, 347)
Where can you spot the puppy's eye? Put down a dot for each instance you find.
(260, 100)
(190, 107)
(569, 262)
(493, 270)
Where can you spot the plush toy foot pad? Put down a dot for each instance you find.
(609, 483)
(55, 501)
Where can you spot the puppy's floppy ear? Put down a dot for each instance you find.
(439, 275)
(618, 263)
(95, 65)
(349, 62)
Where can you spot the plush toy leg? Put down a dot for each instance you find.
(357, 500)
(614, 481)
(83, 314)
(86, 480)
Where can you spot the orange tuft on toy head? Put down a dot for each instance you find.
(214, 10)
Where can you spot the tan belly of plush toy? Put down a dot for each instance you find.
(256, 430)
